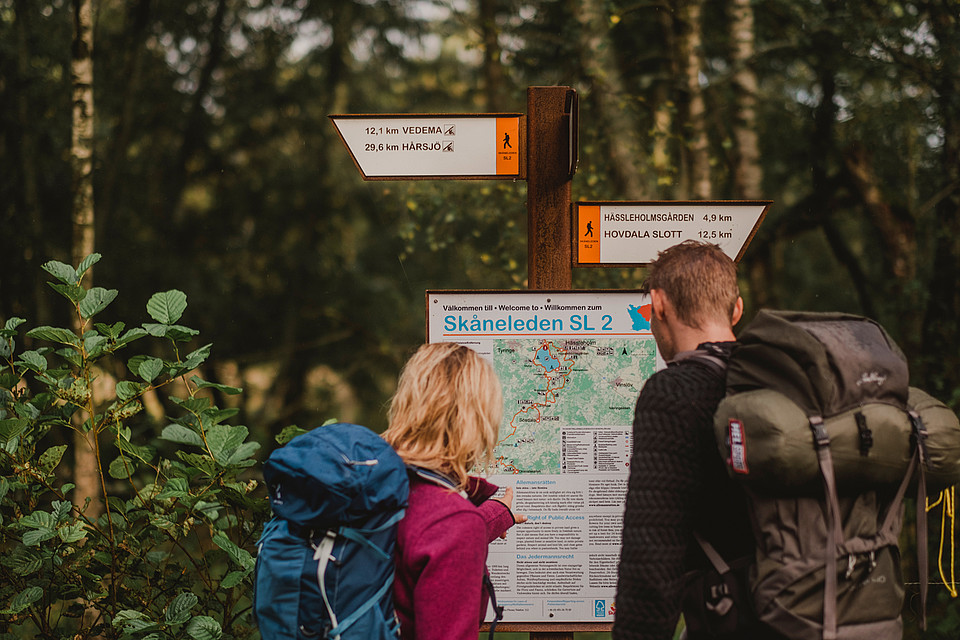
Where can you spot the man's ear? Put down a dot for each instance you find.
(737, 312)
(659, 302)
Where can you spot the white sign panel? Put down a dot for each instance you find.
(393, 146)
(571, 365)
(633, 233)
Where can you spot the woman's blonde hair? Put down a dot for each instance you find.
(445, 415)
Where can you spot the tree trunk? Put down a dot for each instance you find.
(492, 67)
(137, 21)
(665, 105)
(692, 59)
(611, 99)
(194, 137)
(747, 174)
(86, 470)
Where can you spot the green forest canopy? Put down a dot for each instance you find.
(217, 171)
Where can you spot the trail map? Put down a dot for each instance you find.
(552, 384)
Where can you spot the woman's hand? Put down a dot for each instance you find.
(507, 500)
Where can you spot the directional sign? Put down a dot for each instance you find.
(406, 147)
(633, 233)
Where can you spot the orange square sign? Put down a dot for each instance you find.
(508, 146)
(588, 233)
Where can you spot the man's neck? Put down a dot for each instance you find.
(689, 338)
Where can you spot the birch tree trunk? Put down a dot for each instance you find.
(691, 58)
(86, 470)
(665, 106)
(747, 174)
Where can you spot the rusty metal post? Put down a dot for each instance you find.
(550, 156)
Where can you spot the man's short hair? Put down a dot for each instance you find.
(699, 279)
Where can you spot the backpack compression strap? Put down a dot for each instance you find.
(322, 553)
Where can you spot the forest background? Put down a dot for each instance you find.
(209, 165)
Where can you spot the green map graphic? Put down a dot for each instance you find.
(551, 384)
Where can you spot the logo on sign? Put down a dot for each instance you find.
(599, 608)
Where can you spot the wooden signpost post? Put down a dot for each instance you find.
(541, 147)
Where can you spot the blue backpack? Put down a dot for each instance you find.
(325, 562)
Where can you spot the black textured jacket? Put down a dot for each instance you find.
(677, 485)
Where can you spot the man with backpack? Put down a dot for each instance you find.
(678, 487)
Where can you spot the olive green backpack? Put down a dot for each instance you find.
(827, 436)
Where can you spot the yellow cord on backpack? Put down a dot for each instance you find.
(948, 498)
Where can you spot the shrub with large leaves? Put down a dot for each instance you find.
(169, 553)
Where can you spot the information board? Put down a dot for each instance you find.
(571, 364)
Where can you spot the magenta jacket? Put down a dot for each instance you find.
(441, 559)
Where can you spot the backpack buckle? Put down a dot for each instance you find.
(820, 436)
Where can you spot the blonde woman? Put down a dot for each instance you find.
(444, 420)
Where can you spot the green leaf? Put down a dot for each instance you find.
(196, 358)
(50, 458)
(174, 332)
(35, 536)
(38, 520)
(240, 556)
(223, 439)
(127, 389)
(72, 533)
(242, 455)
(12, 428)
(141, 452)
(10, 328)
(24, 561)
(175, 488)
(72, 356)
(180, 333)
(24, 599)
(62, 272)
(95, 344)
(33, 360)
(203, 464)
(150, 368)
(181, 434)
(203, 384)
(55, 334)
(215, 415)
(121, 468)
(72, 292)
(289, 433)
(193, 405)
(134, 334)
(88, 262)
(233, 579)
(96, 300)
(204, 628)
(110, 331)
(178, 611)
(167, 307)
